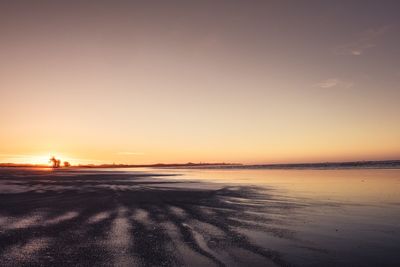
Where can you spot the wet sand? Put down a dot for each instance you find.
(106, 218)
(92, 218)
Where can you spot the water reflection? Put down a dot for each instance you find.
(377, 186)
(351, 217)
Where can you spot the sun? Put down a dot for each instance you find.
(39, 159)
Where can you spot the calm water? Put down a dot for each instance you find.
(345, 217)
(361, 186)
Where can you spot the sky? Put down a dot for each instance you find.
(202, 81)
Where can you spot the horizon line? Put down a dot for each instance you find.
(10, 164)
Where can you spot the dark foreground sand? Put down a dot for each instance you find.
(94, 218)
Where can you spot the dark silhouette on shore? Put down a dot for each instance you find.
(55, 162)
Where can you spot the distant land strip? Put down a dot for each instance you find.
(384, 164)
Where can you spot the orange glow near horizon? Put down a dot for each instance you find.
(35, 159)
(40, 160)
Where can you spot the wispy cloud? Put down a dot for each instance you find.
(127, 153)
(364, 41)
(334, 83)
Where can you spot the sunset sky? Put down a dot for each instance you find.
(177, 81)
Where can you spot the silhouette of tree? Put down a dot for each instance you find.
(56, 162)
(67, 164)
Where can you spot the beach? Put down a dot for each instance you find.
(157, 217)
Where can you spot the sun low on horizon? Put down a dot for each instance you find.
(137, 83)
(42, 159)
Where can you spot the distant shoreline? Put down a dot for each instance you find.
(391, 164)
(384, 164)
